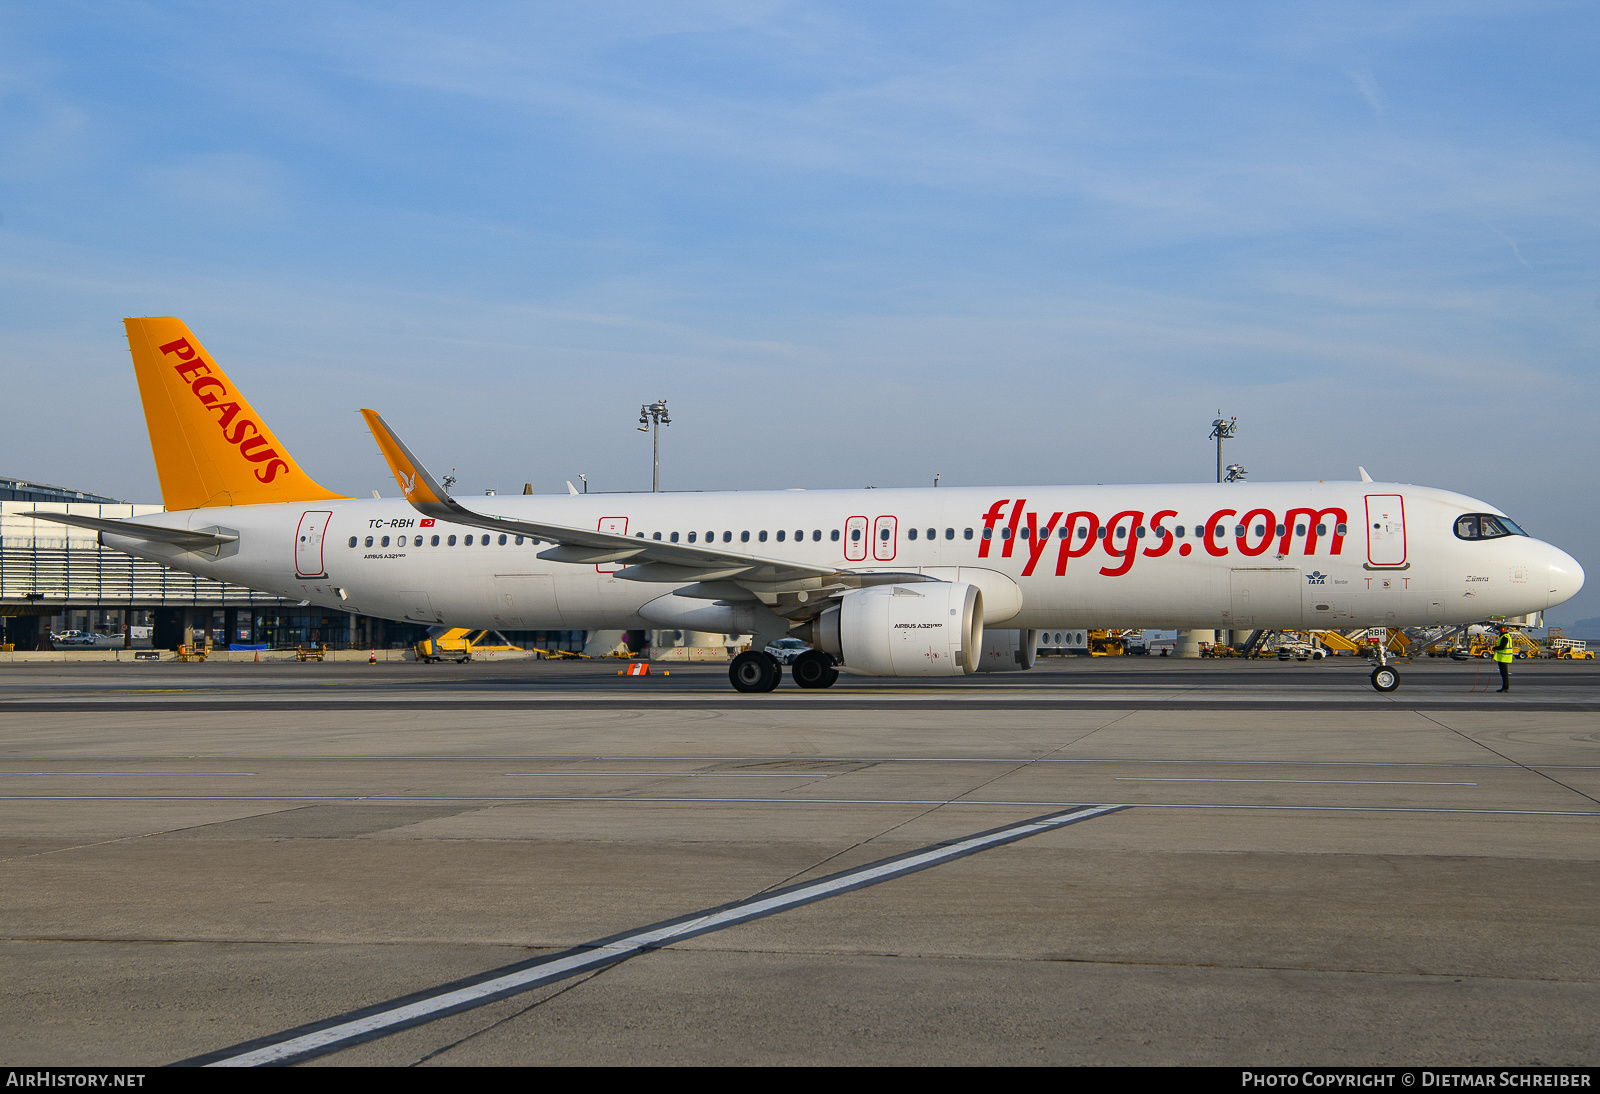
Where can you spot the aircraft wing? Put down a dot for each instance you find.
(156, 533)
(647, 560)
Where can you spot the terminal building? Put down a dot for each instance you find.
(56, 579)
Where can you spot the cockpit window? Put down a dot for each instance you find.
(1486, 526)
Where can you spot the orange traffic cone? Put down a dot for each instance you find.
(373, 659)
(258, 657)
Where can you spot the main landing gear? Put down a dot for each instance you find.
(814, 669)
(755, 670)
(1384, 678)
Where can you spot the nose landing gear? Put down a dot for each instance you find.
(1384, 678)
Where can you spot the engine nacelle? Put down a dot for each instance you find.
(1008, 651)
(930, 628)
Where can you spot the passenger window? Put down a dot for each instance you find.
(452, 541)
(502, 540)
(1005, 533)
(369, 541)
(988, 533)
(1322, 529)
(691, 537)
(761, 535)
(674, 537)
(656, 536)
(781, 534)
(1280, 530)
(855, 535)
(466, 542)
(435, 541)
(1138, 533)
(911, 533)
(384, 542)
(744, 537)
(352, 541)
(949, 533)
(1339, 529)
(727, 537)
(519, 541)
(933, 533)
(834, 535)
(484, 540)
(1178, 531)
(816, 535)
(1101, 533)
(884, 535)
(967, 533)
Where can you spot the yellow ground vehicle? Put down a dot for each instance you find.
(461, 644)
(1558, 646)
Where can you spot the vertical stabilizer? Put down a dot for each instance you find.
(210, 446)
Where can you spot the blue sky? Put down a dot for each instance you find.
(850, 243)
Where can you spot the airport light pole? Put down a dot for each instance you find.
(1223, 430)
(652, 416)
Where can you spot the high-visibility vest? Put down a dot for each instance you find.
(1503, 650)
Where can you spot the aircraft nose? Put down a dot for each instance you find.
(1566, 577)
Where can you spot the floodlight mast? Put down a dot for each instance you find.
(652, 416)
(1223, 429)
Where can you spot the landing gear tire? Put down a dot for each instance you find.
(753, 671)
(1385, 678)
(814, 669)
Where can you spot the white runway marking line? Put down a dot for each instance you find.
(401, 1014)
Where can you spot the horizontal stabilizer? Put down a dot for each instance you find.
(151, 533)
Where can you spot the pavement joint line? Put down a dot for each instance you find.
(1511, 766)
(1294, 782)
(370, 1023)
(635, 800)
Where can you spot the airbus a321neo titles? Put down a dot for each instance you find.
(881, 582)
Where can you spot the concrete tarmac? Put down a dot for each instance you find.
(201, 857)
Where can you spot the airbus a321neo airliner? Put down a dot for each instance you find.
(878, 582)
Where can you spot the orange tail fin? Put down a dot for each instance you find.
(210, 445)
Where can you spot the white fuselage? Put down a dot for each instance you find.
(1319, 554)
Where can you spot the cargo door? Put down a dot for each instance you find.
(526, 602)
(885, 538)
(619, 525)
(1266, 597)
(855, 539)
(308, 543)
(1386, 530)
(417, 606)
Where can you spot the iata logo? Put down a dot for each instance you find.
(1316, 577)
(243, 433)
(1123, 534)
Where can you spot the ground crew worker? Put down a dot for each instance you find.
(1503, 653)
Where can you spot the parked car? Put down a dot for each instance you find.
(73, 638)
(787, 650)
